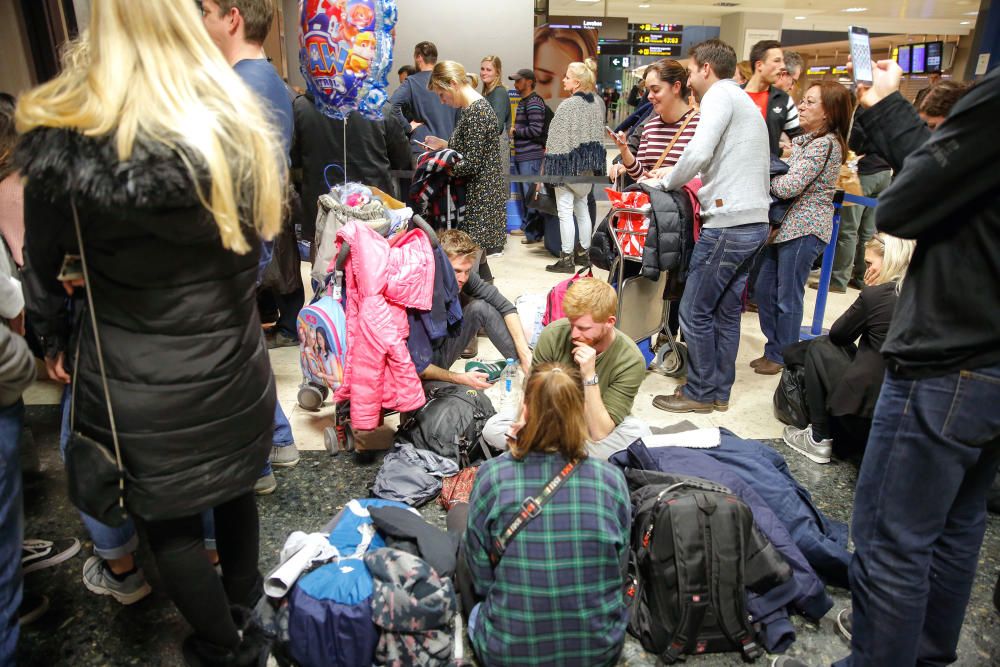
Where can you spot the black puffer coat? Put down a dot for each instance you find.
(190, 380)
(670, 236)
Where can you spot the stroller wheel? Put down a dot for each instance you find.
(680, 362)
(310, 397)
(330, 440)
(670, 364)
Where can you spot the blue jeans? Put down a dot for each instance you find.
(710, 308)
(11, 529)
(532, 220)
(781, 286)
(109, 542)
(920, 515)
(282, 435)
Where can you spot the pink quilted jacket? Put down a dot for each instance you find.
(382, 281)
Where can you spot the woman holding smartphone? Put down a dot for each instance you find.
(662, 139)
(151, 141)
(575, 147)
(475, 138)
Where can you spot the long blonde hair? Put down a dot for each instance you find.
(896, 254)
(447, 73)
(498, 68)
(149, 71)
(585, 73)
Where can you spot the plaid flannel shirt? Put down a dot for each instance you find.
(428, 191)
(557, 595)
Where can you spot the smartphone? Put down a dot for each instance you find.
(420, 143)
(72, 269)
(610, 132)
(861, 55)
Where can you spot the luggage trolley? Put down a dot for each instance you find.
(636, 317)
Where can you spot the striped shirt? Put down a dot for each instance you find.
(656, 136)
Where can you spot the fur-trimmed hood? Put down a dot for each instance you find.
(59, 162)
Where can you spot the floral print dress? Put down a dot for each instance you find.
(475, 138)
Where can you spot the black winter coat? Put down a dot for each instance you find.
(946, 196)
(671, 226)
(189, 375)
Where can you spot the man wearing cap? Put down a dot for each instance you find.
(528, 133)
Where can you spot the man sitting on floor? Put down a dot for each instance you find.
(611, 364)
(483, 307)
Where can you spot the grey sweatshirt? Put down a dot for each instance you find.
(17, 366)
(730, 150)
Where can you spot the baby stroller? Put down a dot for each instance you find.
(323, 324)
(638, 314)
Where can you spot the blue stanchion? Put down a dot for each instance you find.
(825, 272)
(514, 221)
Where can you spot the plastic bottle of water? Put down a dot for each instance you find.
(510, 385)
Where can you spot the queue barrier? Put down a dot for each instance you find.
(826, 271)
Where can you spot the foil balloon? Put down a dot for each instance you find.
(345, 53)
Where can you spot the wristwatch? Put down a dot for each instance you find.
(591, 382)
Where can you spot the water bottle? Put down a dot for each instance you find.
(509, 381)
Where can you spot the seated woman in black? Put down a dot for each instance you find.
(842, 382)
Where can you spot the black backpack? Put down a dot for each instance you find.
(695, 550)
(450, 424)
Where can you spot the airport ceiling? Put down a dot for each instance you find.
(917, 17)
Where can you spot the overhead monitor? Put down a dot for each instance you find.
(935, 63)
(903, 58)
(918, 63)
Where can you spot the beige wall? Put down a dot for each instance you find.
(16, 74)
(463, 31)
(733, 29)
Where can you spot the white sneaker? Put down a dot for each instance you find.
(801, 440)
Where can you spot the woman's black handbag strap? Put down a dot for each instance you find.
(530, 508)
(100, 363)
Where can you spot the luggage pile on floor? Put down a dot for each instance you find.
(373, 588)
(434, 445)
(696, 580)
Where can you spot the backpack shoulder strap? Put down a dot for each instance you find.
(687, 529)
(728, 590)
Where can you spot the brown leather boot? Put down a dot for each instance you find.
(768, 367)
(681, 403)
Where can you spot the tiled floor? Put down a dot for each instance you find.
(83, 629)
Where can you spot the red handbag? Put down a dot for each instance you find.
(457, 488)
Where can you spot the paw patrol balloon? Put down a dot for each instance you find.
(345, 52)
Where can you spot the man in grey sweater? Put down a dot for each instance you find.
(429, 115)
(730, 150)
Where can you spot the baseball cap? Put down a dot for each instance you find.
(523, 74)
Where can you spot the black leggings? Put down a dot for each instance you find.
(189, 578)
(458, 518)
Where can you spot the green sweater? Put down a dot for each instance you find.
(620, 369)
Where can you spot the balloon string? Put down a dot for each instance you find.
(345, 150)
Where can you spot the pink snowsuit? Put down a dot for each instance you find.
(381, 282)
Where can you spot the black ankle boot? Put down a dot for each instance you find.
(582, 258)
(254, 647)
(564, 265)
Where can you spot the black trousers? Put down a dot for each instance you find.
(190, 579)
(826, 364)
(458, 519)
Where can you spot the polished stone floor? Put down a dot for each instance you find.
(82, 629)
